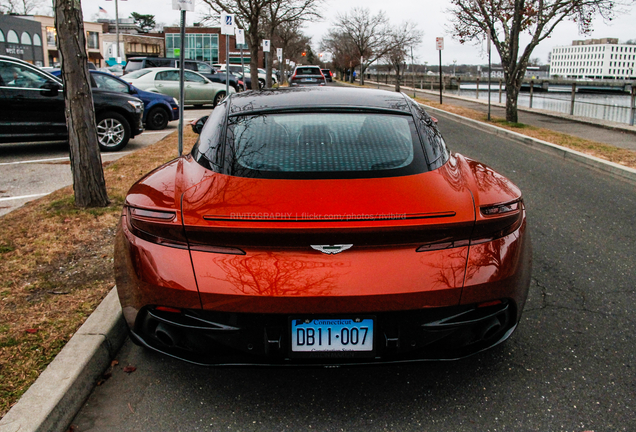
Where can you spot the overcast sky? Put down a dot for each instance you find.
(430, 16)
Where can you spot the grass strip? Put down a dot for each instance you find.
(57, 266)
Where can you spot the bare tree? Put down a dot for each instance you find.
(369, 35)
(248, 15)
(506, 20)
(289, 37)
(344, 54)
(86, 163)
(402, 38)
(20, 7)
(281, 12)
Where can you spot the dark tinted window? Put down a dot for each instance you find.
(167, 76)
(434, 143)
(209, 151)
(106, 82)
(192, 77)
(321, 145)
(156, 62)
(307, 71)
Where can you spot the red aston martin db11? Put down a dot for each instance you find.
(321, 226)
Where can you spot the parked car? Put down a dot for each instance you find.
(159, 109)
(244, 73)
(199, 90)
(201, 67)
(326, 226)
(328, 75)
(307, 76)
(32, 108)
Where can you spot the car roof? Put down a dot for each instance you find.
(318, 97)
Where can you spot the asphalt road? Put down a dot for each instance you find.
(29, 171)
(570, 366)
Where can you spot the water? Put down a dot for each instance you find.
(611, 107)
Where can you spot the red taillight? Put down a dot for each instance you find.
(156, 226)
(499, 220)
(168, 309)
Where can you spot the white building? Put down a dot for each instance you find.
(594, 59)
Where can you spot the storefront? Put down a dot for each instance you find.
(21, 38)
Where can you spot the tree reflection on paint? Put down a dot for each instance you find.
(273, 274)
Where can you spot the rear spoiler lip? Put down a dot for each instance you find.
(312, 217)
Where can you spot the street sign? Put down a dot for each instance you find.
(265, 45)
(177, 52)
(439, 43)
(279, 54)
(286, 61)
(184, 5)
(227, 23)
(240, 36)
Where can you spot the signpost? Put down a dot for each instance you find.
(227, 29)
(266, 46)
(183, 6)
(489, 68)
(439, 45)
(240, 40)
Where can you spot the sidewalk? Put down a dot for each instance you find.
(616, 134)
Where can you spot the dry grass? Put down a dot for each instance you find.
(56, 262)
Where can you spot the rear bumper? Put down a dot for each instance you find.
(220, 338)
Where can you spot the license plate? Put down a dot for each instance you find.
(332, 335)
(309, 79)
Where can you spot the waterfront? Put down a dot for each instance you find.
(611, 107)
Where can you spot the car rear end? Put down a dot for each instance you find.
(328, 75)
(307, 76)
(323, 239)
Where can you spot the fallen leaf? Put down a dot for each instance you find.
(72, 428)
(114, 363)
(130, 369)
(130, 408)
(32, 331)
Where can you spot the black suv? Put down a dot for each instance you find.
(32, 108)
(307, 76)
(201, 67)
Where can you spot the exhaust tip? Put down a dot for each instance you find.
(165, 335)
(490, 329)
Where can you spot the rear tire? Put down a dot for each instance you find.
(113, 131)
(218, 98)
(157, 118)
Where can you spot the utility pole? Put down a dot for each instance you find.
(118, 56)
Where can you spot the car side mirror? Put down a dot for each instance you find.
(50, 88)
(197, 125)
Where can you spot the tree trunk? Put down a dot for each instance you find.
(512, 94)
(254, 47)
(268, 64)
(362, 69)
(86, 162)
(397, 80)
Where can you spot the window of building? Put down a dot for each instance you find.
(37, 40)
(92, 40)
(12, 37)
(25, 39)
(1, 36)
(51, 36)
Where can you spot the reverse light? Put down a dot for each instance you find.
(499, 221)
(500, 208)
(156, 226)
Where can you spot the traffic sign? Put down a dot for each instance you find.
(265, 45)
(279, 54)
(240, 36)
(227, 23)
(185, 5)
(439, 43)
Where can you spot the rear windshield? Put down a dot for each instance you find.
(318, 145)
(307, 71)
(138, 73)
(134, 65)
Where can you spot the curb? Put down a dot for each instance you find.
(615, 169)
(53, 400)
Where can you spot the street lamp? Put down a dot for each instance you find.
(454, 63)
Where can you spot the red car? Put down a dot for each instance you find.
(305, 228)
